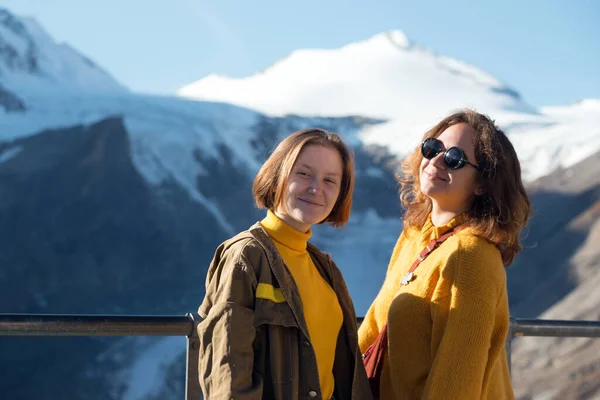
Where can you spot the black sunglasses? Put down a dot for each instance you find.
(454, 157)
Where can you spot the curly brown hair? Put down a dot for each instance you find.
(502, 209)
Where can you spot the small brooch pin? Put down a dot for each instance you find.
(407, 278)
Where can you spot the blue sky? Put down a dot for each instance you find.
(548, 50)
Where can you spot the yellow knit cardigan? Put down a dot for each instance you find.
(448, 326)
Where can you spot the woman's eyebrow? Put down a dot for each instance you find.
(327, 173)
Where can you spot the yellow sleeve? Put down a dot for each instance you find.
(369, 329)
(467, 329)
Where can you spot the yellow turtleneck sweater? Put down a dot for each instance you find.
(322, 310)
(447, 327)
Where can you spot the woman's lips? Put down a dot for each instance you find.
(311, 203)
(433, 176)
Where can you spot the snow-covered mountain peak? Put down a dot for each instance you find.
(31, 61)
(392, 38)
(384, 76)
(398, 38)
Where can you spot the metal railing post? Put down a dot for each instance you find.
(508, 344)
(192, 381)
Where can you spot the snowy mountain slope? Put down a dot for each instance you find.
(30, 59)
(412, 88)
(165, 133)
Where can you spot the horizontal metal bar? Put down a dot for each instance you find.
(555, 328)
(95, 325)
(169, 325)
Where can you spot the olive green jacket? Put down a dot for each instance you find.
(259, 348)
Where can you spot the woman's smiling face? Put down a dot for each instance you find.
(312, 188)
(451, 188)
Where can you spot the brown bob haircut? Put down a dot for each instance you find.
(501, 210)
(269, 184)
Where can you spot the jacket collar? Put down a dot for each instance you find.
(286, 281)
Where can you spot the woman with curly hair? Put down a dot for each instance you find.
(441, 317)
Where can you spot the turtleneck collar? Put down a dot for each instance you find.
(437, 231)
(284, 234)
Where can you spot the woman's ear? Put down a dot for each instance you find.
(479, 191)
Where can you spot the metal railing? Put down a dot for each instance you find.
(115, 325)
(549, 328)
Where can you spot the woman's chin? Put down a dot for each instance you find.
(429, 190)
(309, 218)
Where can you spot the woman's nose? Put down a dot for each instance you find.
(438, 161)
(315, 184)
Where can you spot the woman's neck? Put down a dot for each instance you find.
(284, 234)
(441, 216)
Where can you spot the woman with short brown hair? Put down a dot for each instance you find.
(278, 321)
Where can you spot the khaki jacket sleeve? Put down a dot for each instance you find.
(227, 331)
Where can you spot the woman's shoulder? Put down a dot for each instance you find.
(471, 255)
(246, 247)
(470, 243)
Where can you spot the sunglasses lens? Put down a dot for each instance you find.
(454, 158)
(430, 148)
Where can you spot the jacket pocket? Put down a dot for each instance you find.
(280, 342)
(270, 312)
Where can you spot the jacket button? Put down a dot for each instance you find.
(312, 394)
(307, 343)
